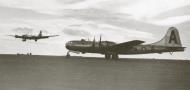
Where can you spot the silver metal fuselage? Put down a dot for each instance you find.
(30, 37)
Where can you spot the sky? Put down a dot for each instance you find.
(115, 20)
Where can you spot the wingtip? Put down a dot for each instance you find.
(10, 35)
(54, 35)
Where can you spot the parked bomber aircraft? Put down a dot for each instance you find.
(170, 43)
(32, 37)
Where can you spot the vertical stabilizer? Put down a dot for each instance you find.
(171, 39)
(40, 34)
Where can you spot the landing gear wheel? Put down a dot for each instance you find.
(24, 40)
(115, 56)
(107, 56)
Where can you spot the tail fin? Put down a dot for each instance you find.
(40, 34)
(171, 39)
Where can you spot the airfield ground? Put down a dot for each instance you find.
(78, 73)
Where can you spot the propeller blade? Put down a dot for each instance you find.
(93, 44)
(100, 42)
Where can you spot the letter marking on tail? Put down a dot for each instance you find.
(173, 37)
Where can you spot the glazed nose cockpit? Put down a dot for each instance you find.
(69, 44)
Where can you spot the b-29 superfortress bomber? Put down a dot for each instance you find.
(32, 37)
(170, 43)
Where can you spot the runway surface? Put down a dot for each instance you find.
(77, 73)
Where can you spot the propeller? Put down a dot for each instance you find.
(100, 42)
(93, 44)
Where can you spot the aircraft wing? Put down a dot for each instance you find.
(11, 35)
(16, 36)
(43, 37)
(125, 45)
(53, 36)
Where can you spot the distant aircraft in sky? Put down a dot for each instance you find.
(170, 43)
(32, 37)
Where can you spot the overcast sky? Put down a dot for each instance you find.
(117, 20)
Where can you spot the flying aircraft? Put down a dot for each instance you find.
(170, 43)
(32, 37)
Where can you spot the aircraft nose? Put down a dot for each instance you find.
(68, 45)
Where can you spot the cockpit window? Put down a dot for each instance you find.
(70, 42)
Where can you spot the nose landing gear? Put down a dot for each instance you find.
(68, 55)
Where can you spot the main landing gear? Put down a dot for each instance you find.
(36, 40)
(111, 56)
